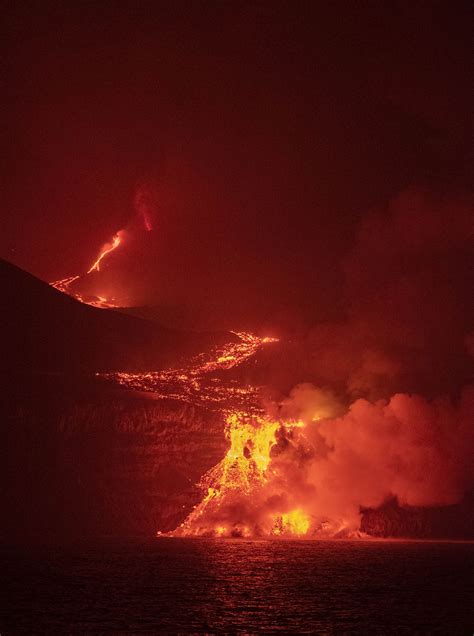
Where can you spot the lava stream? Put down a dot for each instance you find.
(197, 383)
(64, 284)
(108, 247)
(238, 481)
(241, 497)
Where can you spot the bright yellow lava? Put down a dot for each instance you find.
(250, 446)
(244, 471)
(294, 523)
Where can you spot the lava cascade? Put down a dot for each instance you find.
(106, 249)
(65, 284)
(233, 489)
(247, 469)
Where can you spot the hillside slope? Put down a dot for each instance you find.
(43, 330)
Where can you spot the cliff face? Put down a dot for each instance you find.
(393, 520)
(80, 459)
(103, 465)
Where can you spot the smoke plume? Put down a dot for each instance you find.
(407, 447)
(387, 409)
(406, 310)
(407, 327)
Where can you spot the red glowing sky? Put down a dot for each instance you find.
(266, 131)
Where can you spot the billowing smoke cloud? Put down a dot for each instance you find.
(378, 422)
(407, 329)
(326, 469)
(406, 310)
(417, 451)
(407, 283)
(144, 203)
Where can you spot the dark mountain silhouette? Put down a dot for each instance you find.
(43, 330)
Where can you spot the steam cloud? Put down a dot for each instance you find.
(369, 434)
(407, 329)
(408, 281)
(407, 447)
(145, 205)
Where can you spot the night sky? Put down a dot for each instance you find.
(264, 132)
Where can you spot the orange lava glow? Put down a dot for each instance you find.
(295, 523)
(241, 475)
(197, 383)
(64, 285)
(247, 465)
(106, 249)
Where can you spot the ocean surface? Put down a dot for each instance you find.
(227, 585)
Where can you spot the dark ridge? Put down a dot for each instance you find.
(46, 331)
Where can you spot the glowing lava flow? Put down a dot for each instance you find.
(232, 503)
(108, 247)
(236, 503)
(197, 383)
(64, 285)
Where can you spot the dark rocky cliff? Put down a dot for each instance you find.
(104, 463)
(393, 520)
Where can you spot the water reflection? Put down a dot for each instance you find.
(206, 585)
